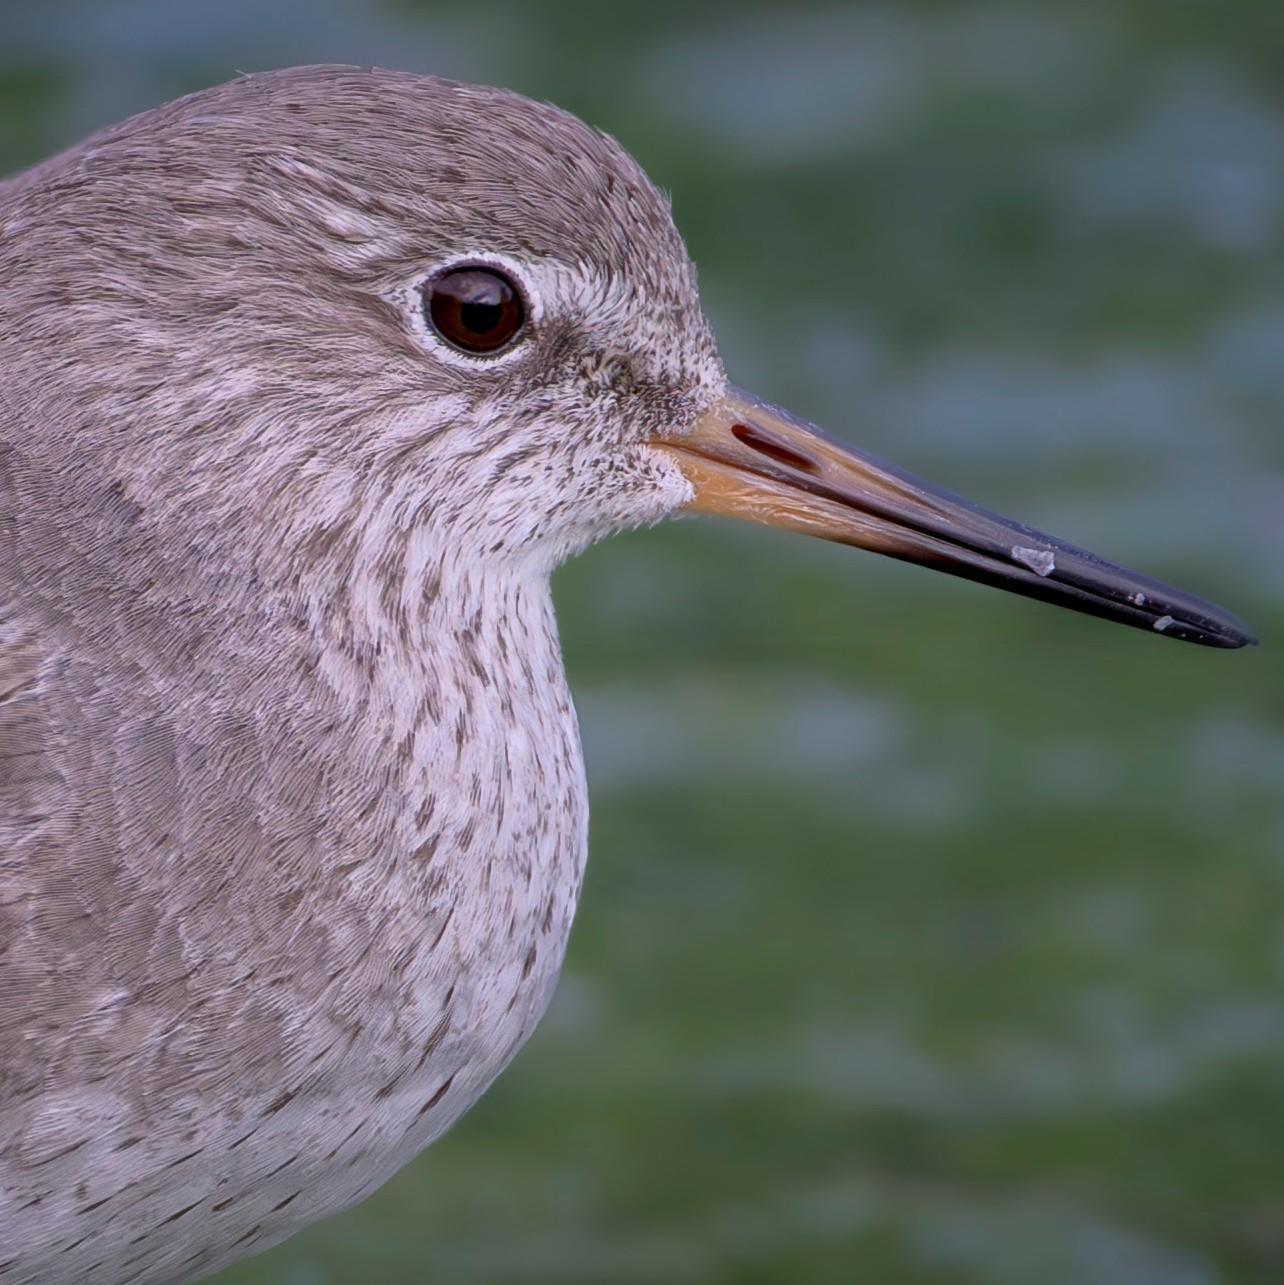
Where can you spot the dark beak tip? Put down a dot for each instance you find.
(1242, 638)
(1226, 633)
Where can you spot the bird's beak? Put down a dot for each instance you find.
(753, 461)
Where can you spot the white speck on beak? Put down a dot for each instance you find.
(1161, 624)
(1041, 561)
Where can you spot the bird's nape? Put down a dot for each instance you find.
(749, 460)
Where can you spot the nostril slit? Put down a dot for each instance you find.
(757, 440)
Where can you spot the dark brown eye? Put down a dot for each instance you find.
(478, 310)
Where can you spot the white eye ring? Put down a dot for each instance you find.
(516, 275)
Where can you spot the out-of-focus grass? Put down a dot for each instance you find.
(929, 936)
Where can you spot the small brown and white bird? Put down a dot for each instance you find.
(307, 383)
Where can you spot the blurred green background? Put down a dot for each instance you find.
(930, 935)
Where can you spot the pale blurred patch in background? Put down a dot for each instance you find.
(930, 935)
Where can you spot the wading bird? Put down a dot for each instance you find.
(307, 383)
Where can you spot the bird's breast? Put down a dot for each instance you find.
(376, 860)
(473, 825)
(446, 925)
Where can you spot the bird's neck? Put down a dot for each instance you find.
(455, 811)
(403, 734)
(456, 666)
(451, 674)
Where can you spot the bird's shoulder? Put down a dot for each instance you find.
(59, 881)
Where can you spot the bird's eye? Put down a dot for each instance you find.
(477, 310)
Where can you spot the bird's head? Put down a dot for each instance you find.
(394, 314)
